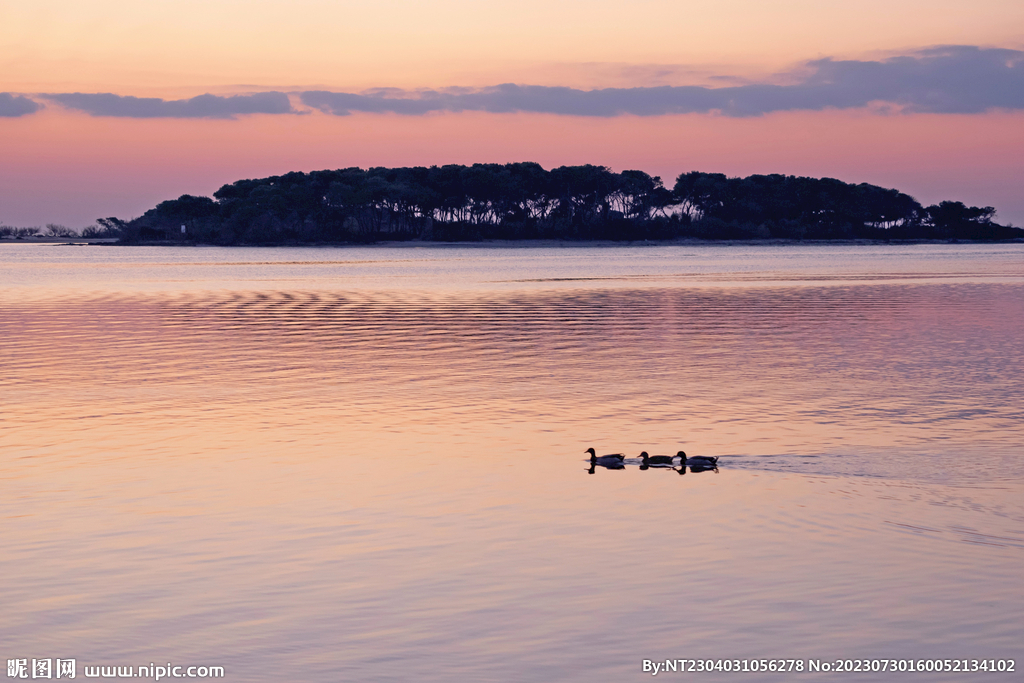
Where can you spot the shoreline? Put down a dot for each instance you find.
(69, 241)
(505, 244)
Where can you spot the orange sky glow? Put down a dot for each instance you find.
(60, 165)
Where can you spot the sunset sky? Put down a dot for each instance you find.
(109, 106)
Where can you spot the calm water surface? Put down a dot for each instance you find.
(367, 464)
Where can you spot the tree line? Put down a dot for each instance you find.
(525, 201)
(107, 230)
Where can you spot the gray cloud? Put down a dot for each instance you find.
(953, 79)
(946, 80)
(510, 97)
(942, 80)
(201, 107)
(17, 105)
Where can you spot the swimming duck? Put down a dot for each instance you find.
(656, 459)
(605, 460)
(698, 460)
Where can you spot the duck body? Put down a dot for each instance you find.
(656, 459)
(698, 460)
(610, 460)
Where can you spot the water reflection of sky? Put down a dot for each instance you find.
(448, 267)
(388, 482)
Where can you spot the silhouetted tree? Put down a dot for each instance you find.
(522, 200)
(57, 230)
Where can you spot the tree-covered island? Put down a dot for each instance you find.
(523, 201)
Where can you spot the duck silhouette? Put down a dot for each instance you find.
(698, 460)
(609, 461)
(650, 460)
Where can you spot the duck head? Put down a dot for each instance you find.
(593, 454)
(682, 454)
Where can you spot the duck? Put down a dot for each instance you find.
(656, 459)
(605, 460)
(698, 460)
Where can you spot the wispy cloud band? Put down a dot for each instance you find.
(943, 80)
(17, 105)
(959, 79)
(200, 107)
